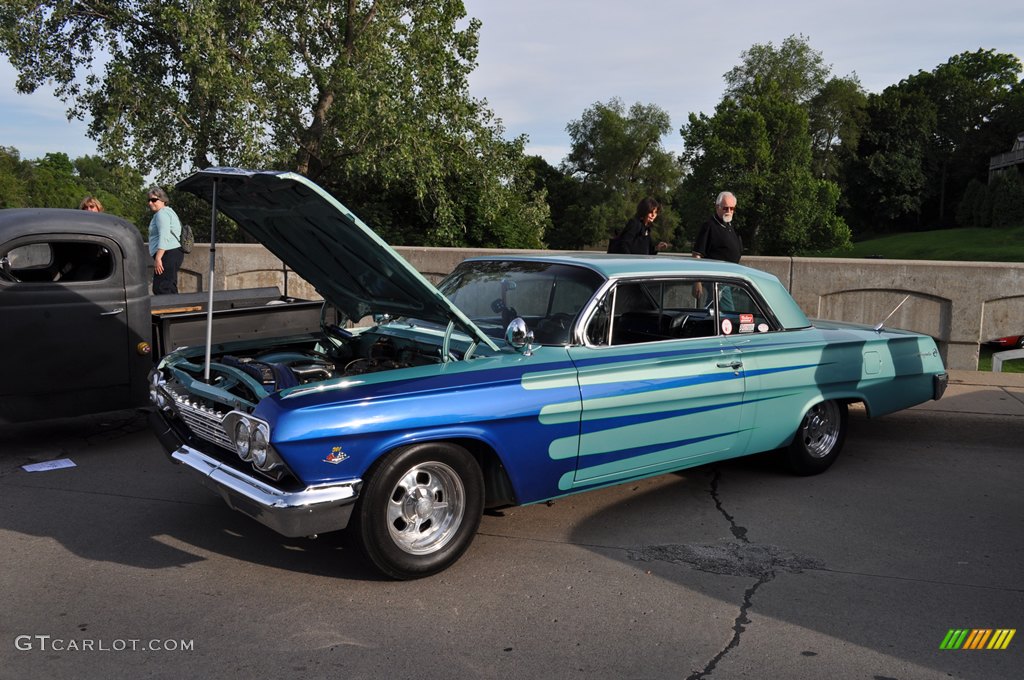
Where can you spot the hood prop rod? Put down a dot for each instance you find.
(209, 282)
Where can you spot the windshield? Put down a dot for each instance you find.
(547, 296)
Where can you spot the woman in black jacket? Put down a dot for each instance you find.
(635, 238)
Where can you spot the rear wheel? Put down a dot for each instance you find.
(818, 440)
(420, 509)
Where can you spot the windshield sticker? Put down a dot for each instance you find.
(747, 318)
(746, 328)
(762, 328)
(726, 326)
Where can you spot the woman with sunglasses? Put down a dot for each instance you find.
(164, 243)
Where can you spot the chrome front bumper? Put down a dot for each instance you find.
(313, 510)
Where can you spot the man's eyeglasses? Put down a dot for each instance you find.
(728, 208)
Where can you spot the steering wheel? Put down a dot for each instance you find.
(562, 320)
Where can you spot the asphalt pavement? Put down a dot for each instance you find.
(122, 566)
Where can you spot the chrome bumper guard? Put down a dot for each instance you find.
(939, 384)
(313, 510)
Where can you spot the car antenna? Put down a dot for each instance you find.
(881, 323)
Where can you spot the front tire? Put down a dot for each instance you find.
(818, 440)
(420, 509)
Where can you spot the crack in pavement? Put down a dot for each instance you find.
(730, 558)
(737, 531)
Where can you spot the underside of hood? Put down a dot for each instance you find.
(327, 245)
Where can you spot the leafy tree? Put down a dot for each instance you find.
(887, 179)
(55, 181)
(618, 159)
(52, 183)
(968, 212)
(968, 92)
(1007, 195)
(120, 188)
(361, 92)
(562, 193)
(13, 193)
(794, 70)
(837, 112)
(758, 144)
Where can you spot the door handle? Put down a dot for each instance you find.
(735, 364)
(112, 312)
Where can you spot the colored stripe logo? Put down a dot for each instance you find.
(978, 638)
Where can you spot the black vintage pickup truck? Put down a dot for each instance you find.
(79, 330)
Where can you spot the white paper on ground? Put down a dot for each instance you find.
(49, 465)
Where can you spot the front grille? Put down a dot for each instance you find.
(204, 422)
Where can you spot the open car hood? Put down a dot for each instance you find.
(328, 246)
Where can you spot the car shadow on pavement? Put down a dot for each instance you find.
(884, 553)
(124, 502)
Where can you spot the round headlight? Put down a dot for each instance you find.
(259, 447)
(242, 439)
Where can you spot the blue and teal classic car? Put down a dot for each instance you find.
(515, 380)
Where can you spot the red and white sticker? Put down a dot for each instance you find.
(746, 318)
(726, 326)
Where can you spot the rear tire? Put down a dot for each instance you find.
(420, 509)
(818, 440)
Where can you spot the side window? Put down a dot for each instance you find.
(673, 309)
(657, 310)
(739, 313)
(57, 262)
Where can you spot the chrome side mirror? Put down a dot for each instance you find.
(381, 318)
(519, 336)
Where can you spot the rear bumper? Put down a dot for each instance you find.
(939, 384)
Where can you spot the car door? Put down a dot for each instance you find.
(66, 340)
(661, 387)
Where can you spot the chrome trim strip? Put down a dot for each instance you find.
(313, 510)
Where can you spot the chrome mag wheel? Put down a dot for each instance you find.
(426, 508)
(820, 429)
(818, 439)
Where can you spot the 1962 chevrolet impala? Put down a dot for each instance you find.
(516, 380)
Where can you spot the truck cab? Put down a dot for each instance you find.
(75, 309)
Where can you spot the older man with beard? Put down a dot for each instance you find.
(717, 239)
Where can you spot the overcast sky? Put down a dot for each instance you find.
(543, 62)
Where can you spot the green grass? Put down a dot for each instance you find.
(963, 245)
(985, 362)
